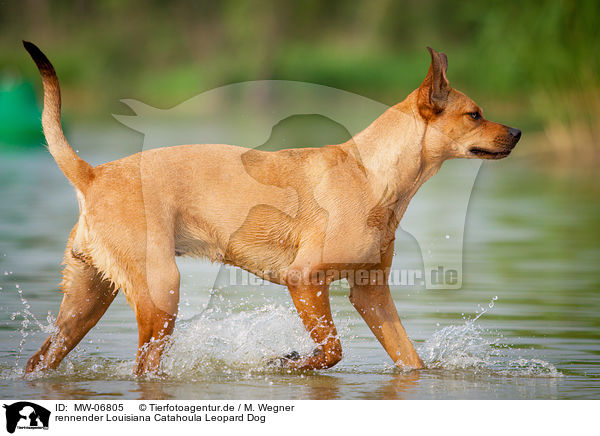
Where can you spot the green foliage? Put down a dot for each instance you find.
(534, 61)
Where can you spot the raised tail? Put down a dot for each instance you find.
(78, 171)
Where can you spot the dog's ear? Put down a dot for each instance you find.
(433, 92)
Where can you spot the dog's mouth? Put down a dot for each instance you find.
(488, 154)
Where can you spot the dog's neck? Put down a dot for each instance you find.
(392, 151)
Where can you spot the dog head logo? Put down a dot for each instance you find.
(281, 109)
(26, 415)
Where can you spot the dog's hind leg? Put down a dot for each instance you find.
(86, 297)
(155, 304)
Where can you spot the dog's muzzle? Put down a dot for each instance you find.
(504, 143)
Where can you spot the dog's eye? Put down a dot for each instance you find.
(474, 115)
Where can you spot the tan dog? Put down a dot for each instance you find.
(299, 217)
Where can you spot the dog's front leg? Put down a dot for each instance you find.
(312, 304)
(376, 306)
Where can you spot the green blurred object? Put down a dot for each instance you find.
(20, 116)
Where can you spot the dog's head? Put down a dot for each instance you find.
(456, 127)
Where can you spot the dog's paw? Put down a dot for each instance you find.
(292, 360)
(284, 361)
(294, 355)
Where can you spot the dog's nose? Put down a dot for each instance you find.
(515, 133)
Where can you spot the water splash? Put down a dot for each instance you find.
(230, 337)
(235, 337)
(224, 339)
(28, 319)
(480, 351)
(482, 310)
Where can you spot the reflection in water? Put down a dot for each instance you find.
(396, 387)
(60, 390)
(153, 390)
(314, 386)
(306, 386)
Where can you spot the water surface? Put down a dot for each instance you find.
(525, 324)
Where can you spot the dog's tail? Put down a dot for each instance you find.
(78, 171)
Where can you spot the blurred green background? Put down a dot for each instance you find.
(534, 64)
